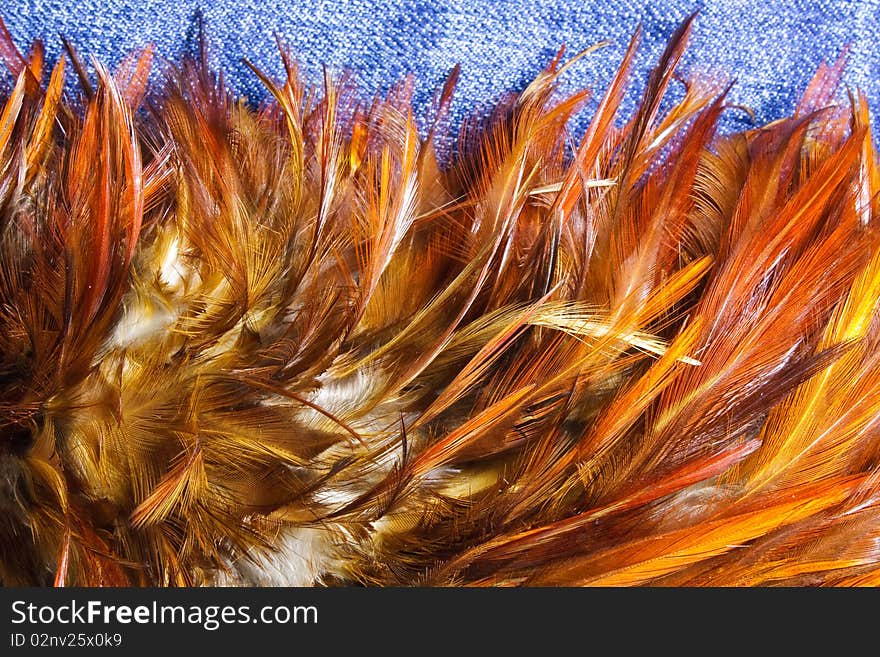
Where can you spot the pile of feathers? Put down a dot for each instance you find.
(318, 342)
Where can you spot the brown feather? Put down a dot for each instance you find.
(317, 342)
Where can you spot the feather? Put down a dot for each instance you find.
(315, 341)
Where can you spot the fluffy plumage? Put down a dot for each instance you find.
(319, 342)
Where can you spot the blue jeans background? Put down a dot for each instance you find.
(770, 48)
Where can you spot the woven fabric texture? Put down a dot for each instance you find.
(770, 49)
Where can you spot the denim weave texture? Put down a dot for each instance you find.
(769, 49)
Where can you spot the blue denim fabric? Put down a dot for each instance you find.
(771, 49)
